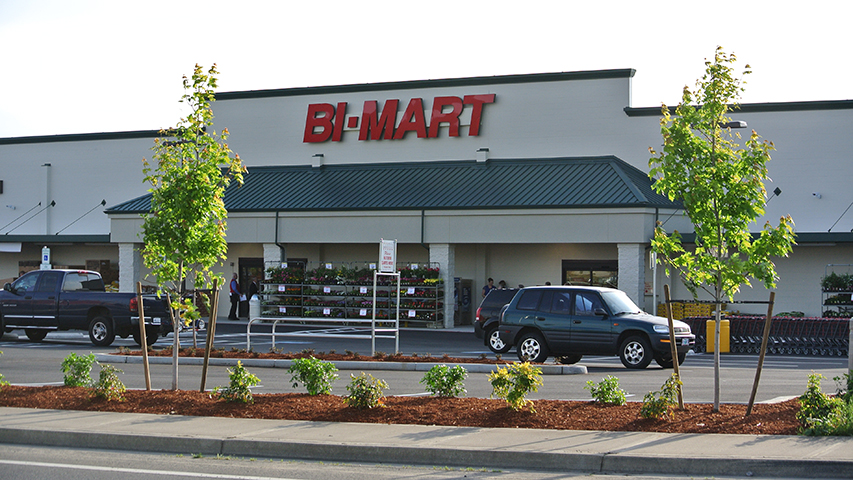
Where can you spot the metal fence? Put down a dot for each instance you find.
(788, 335)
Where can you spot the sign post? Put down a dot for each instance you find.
(387, 266)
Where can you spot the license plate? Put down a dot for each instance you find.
(684, 341)
(155, 321)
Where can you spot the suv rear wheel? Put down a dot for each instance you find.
(635, 352)
(532, 348)
(493, 340)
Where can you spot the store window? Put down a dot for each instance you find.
(596, 273)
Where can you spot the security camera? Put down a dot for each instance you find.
(816, 194)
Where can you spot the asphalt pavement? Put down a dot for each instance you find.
(633, 453)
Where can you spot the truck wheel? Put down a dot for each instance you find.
(151, 335)
(531, 348)
(35, 334)
(101, 332)
(635, 352)
(494, 341)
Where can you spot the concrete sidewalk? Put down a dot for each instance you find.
(554, 450)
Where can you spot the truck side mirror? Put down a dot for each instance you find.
(8, 287)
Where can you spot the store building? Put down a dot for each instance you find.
(528, 179)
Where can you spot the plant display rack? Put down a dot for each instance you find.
(345, 294)
(836, 290)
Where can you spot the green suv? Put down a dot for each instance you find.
(569, 322)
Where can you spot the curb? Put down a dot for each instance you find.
(342, 365)
(556, 451)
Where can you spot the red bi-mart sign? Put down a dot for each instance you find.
(326, 121)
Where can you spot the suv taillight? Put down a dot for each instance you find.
(478, 314)
(134, 304)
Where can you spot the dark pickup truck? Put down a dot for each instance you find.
(42, 301)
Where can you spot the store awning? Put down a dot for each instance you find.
(586, 182)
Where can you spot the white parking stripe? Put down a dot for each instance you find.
(68, 466)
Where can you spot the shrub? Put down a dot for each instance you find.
(445, 381)
(821, 414)
(2, 378)
(238, 390)
(607, 391)
(514, 382)
(77, 369)
(365, 391)
(316, 375)
(109, 386)
(844, 385)
(660, 404)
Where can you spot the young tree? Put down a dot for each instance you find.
(720, 183)
(185, 229)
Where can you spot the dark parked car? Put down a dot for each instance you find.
(488, 314)
(570, 322)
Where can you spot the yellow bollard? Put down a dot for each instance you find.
(725, 335)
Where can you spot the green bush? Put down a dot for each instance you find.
(2, 378)
(316, 375)
(660, 404)
(109, 386)
(821, 414)
(514, 382)
(444, 381)
(77, 369)
(365, 391)
(607, 391)
(844, 385)
(238, 390)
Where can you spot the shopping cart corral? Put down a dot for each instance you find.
(814, 336)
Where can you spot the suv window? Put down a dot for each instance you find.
(562, 303)
(529, 300)
(586, 303)
(498, 298)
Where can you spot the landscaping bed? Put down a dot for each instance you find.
(772, 419)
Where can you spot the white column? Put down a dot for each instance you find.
(445, 255)
(129, 266)
(272, 255)
(632, 272)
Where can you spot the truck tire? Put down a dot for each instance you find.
(152, 332)
(35, 334)
(101, 332)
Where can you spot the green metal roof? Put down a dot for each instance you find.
(590, 182)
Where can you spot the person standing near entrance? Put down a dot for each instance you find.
(488, 288)
(235, 298)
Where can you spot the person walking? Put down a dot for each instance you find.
(235, 298)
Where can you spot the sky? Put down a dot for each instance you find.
(88, 66)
